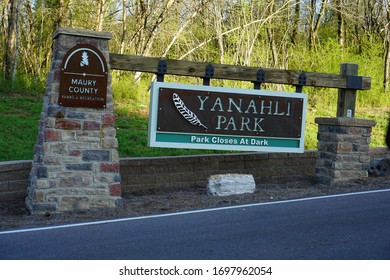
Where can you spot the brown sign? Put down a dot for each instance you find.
(83, 78)
(195, 111)
(217, 118)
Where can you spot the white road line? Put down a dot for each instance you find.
(190, 212)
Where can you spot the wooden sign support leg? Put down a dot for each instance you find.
(347, 97)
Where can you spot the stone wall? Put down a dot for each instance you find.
(343, 149)
(143, 174)
(14, 179)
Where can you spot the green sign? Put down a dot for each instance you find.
(204, 117)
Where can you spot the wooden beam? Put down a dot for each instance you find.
(232, 72)
(346, 102)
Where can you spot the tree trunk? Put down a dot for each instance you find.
(270, 34)
(386, 76)
(62, 13)
(315, 21)
(183, 26)
(340, 23)
(101, 12)
(124, 29)
(10, 52)
(147, 41)
(296, 22)
(218, 26)
(311, 24)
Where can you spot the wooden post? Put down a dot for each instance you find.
(347, 97)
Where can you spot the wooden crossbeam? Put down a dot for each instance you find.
(234, 72)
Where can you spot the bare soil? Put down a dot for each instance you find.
(13, 214)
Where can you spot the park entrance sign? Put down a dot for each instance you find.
(205, 117)
(83, 78)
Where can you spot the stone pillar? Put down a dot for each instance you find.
(76, 163)
(343, 149)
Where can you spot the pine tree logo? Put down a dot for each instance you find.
(84, 59)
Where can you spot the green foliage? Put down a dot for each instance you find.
(328, 58)
(125, 88)
(23, 83)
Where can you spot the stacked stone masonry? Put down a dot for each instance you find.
(76, 163)
(343, 149)
(145, 174)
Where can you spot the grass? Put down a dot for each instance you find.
(20, 113)
(19, 117)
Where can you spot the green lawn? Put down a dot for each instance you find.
(19, 118)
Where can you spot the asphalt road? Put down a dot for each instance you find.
(349, 227)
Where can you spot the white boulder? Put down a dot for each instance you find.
(229, 184)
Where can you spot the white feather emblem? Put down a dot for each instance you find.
(185, 112)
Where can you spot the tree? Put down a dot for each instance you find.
(101, 11)
(270, 33)
(341, 32)
(386, 27)
(11, 39)
(315, 20)
(124, 27)
(218, 10)
(295, 29)
(245, 32)
(185, 24)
